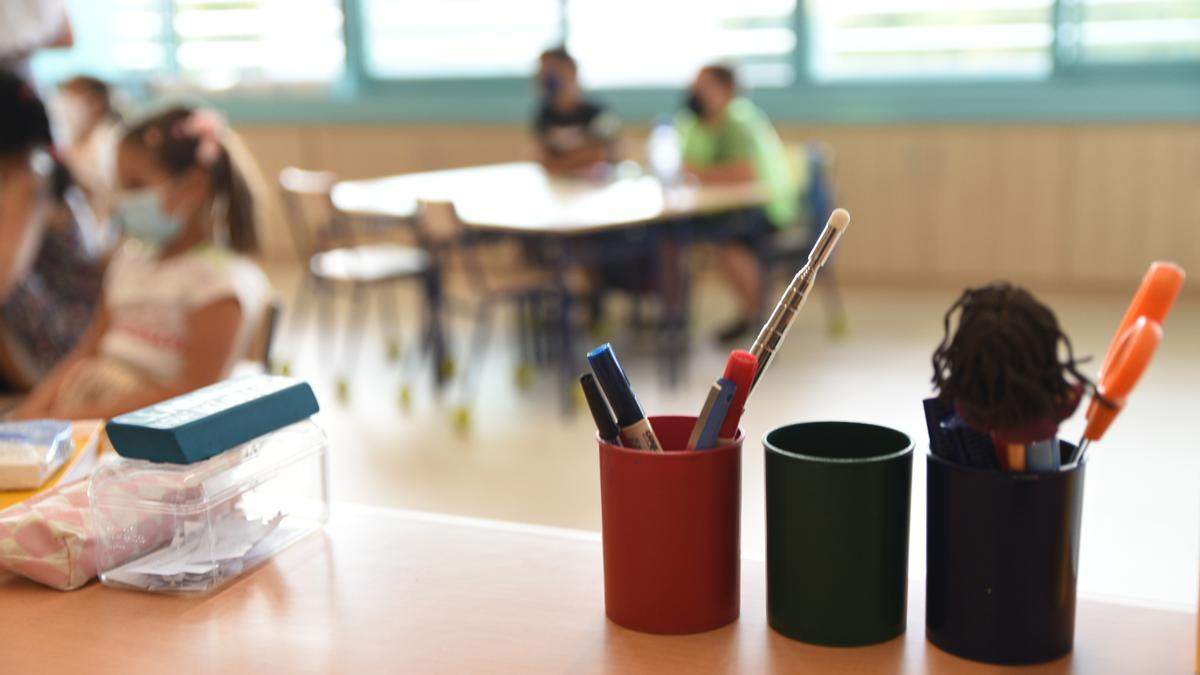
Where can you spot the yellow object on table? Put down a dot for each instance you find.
(89, 443)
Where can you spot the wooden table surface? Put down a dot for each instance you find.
(399, 592)
(522, 197)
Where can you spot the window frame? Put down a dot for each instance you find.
(1066, 70)
(361, 79)
(301, 90)
(1073, 90)
(1070, 65)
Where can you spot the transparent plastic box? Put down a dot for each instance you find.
(192, 527)
(31, 451)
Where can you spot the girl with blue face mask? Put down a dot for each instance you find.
(180, 297)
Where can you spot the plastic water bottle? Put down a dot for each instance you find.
(663, 153)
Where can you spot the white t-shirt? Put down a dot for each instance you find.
(25, 27)
(149, 300)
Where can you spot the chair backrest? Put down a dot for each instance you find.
(449, 243)
(438, 225)
(260, 309)
(308, 206)
(259, 349)
(821, 195)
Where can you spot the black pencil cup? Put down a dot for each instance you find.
(1002, 561)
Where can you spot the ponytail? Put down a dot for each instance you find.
(236, 201)
(181, 138)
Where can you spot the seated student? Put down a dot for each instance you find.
(49, 279)
(725, 139)
(179, 298)
(92, 130)
(574, 132)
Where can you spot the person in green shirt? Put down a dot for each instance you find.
(726, 139)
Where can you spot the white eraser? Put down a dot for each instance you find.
(839, 219)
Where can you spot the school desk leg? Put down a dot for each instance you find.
(437, 338)
(569, 355)
(297, 315)
(674, 285)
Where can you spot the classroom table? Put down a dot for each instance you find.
(391, 591)
(521, 199)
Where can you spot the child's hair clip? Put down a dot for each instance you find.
(206, 126)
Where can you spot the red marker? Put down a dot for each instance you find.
(740, 368)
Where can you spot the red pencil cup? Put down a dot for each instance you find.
(671, 532)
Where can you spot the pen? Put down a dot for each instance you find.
(739, 369)
(605, 423)
(636, 431)
(784, 314)
(1042, 456)
(712, 417)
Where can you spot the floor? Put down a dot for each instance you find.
(522, 460)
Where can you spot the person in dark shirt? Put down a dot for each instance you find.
(574, 133)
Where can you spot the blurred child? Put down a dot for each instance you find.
(574, 132)
(91, 131)
(49, 278)
(179, 298)
(725, 140)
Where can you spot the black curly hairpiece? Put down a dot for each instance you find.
(1001, 364)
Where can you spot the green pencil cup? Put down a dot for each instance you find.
(838, 497)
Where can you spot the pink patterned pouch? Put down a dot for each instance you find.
(50, 538)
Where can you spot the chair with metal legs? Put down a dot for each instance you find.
(478, 276)
(788, 249)
(326, 242)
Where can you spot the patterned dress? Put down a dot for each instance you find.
(47, 312)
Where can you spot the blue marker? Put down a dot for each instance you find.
(636, 431)
(712, 417)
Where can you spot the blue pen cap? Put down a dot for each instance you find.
(611, 377)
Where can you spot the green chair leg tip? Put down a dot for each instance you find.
(393, 350)
(523, 375)
(839, 328)
(343, 389)
(462, 419)
(405, 398)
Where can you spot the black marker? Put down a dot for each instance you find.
(605, 423)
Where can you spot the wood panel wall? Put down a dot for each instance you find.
(1062, 206)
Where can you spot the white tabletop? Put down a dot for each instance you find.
(522, 197)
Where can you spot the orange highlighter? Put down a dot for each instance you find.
(1132, 349)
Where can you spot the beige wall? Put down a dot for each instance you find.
(1066, 206)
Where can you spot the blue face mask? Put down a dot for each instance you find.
(552, 84)
(140, 214)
